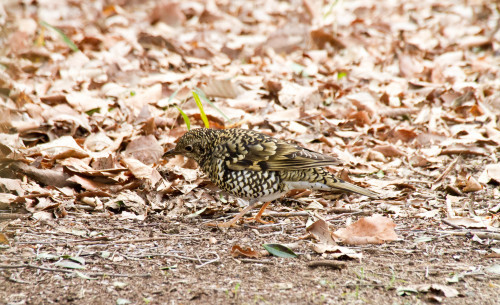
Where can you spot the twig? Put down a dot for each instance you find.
(13, 215)
(483, 235)
(99, 240)
(287, 214)
(451, 224)
(71, 271)
(255, 261)
(450, 167)
(171, 255)
(209, 262)
(327, 263)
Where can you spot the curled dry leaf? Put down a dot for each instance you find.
(142, 171)
(224, 88)
(145, 149)
(336, 251)
(63, 147)
(490, 173)
(98, 141)
(369, 230)
(320, 231)
(471, 185)
(466, 222)
(238, 250)
(389, 150)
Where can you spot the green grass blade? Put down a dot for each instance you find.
(205, 98)
(185, 117)
(65, 38)
(200, 106)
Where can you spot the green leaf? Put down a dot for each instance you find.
(65, 38)
(279, 250)
(200, 106)
(185, 117)
(380, 174)
(206, 99)
(341, 75)
(92, 111)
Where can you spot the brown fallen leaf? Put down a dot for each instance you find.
(238, 250)
(145, 149)
(465, 222)
(3, 239)
(490, 173)
(336, 251)
(369, 230)
(389, 150)
(320, 231)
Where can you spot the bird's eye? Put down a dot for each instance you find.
(189, 148)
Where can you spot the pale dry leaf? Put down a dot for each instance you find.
(63, 147)
(145, 149)
(389, 150)
(5, 200)
(142, 171)
(369, 230)
(224, 88)
(168, 12)
(42, 215)
(336, 251)
(98, 141)
(83, 101)
(12, 185)
(490, 173)
(466, 222)
(472, 185)
(238, 250)
(320, 231)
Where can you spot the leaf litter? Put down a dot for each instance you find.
(405, 95)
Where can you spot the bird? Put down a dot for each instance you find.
(257, 167)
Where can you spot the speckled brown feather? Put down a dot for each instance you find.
(258, 167)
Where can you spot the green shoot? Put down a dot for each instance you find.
(205, 98)
(65, 38)
(200, 106)
(185, 117)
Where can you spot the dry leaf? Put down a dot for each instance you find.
(145, 149)
(237, 250)
(369, 230)
(320, 231)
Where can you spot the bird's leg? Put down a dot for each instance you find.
(233, 221)
(261, 211)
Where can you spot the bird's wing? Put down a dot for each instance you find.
(255, 151)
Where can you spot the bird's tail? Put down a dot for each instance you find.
(340, 184)
(321, 179)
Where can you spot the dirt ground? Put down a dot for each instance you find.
(406, 94)
(166, 260)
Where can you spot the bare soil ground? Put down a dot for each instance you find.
(166, 260)
(405, 93)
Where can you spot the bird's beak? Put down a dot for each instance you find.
(170, 153)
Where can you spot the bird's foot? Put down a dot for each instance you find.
(258, 219)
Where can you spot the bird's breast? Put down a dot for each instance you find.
(245, 183)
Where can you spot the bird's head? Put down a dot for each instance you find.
(193, 144)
